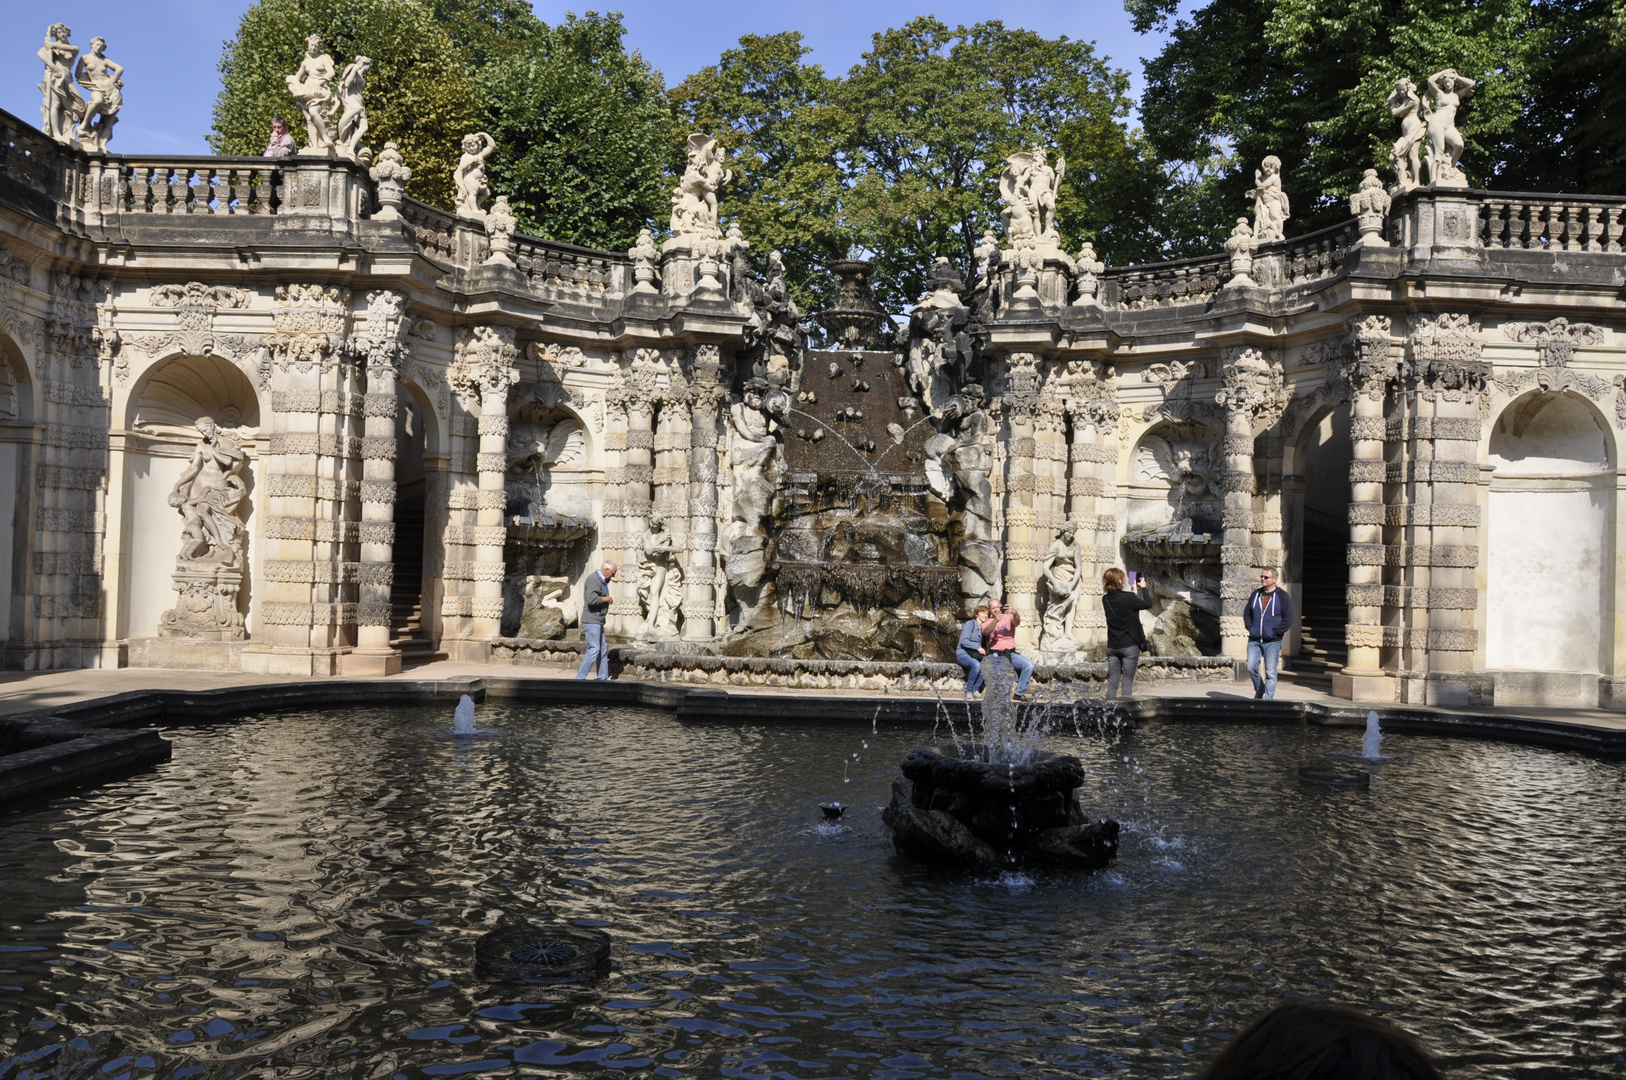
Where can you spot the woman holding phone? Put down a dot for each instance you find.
(1002, 642)
(1126, 639)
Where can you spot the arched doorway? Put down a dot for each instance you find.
(16, 433)
(409, 630)
(1551, 508)
(1325, 453)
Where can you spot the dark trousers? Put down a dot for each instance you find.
(1121, 664)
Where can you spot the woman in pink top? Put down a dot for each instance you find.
(1002, 642)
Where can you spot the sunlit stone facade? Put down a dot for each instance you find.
(1417, 415)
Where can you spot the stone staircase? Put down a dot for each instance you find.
(1322, 608)
(407, 630)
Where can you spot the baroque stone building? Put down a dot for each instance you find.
(266, 414)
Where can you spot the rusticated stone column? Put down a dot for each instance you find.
(1439, 551)
(1049, 490)
(1252, 392)
(306, 498)
(706, 400)
(380, 345)
(1370, 370)
(1021, 560)
(485, 365)
(1092, 490)
(636, 395)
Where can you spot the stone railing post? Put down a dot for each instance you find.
(485, 367)
(1369, 371)
(380, 346)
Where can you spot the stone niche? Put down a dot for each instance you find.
(187, 611)
(1172, 534)
(549, 515)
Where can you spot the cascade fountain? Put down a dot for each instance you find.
(997, 801)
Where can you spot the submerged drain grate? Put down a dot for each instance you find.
(559, 952)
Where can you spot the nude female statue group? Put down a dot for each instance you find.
(62, 110)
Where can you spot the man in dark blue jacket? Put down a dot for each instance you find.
(1269, 616)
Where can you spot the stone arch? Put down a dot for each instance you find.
(16, 434)
(1315, 526)
(160, 413)
(1552, 456)
(1172, 532)
(550, 446)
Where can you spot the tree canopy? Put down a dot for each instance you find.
(419, 93)
(1307, 80)
(581, 128)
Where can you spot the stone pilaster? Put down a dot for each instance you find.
(1252, 394)
(485, 366)
(1049, 483)
(1443, 382)
(1021, 558)
(636, 395)
(380, 346)
(1370, 370)
(706, 401)
(306, 496)
(1092, 405)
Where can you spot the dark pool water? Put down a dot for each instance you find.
(299, 895)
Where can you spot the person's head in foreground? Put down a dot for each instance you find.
(1301, 1041)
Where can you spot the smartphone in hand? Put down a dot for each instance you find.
(1133, 578)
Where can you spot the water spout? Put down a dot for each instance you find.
(1374, 737)
(463, 718)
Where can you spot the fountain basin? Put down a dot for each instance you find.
(952, 810)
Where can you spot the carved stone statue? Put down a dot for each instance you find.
(61, 106)
(1406, 154)
(757, 458)
(957, 466)
(208, 495)
(1446, 90)
(1270, 207)
(1028, 187)
(105, 81)
(660, 582)
(353, 111)
(694, 201)
(208, 571)
(942, 354)
(1062, 572)
(469, 178)
(311, 88)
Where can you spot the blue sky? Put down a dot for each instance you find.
(169, 48)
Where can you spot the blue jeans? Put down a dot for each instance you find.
(1023, 666)
(973, 670)
(1270, 653)
(595, 651)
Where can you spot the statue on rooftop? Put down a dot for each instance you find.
(1028, 187)
(1446, 89)
(62, 107)
(1270, 207)
(469, 178)
(694, 201)
(313, 93)
(105, 80)
(353, 115)
(1406, 154)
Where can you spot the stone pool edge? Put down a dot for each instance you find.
(90, 741)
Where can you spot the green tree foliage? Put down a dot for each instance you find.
(581, 128)
(932, 113)
(774, 116)
(485, 29)
(1307, 80)
(419, 94)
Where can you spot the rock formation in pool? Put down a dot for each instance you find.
(954, 809)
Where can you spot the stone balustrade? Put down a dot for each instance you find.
(192, 185)
(1546, 222)
(1165, 284)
